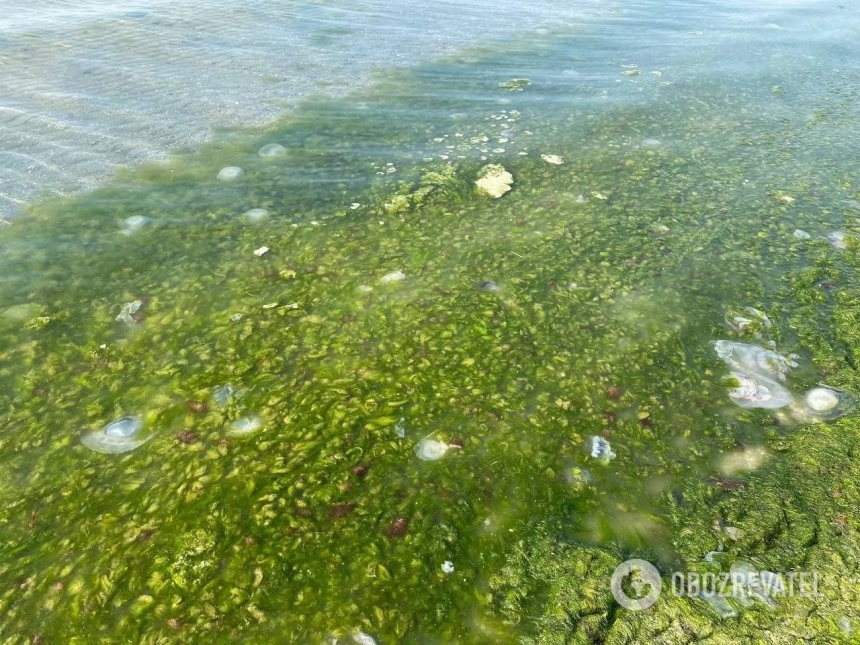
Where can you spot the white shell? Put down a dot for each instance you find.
(430, 449)
(231, 173)
(117, 437)
(272, 150)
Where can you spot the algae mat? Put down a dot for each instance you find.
(286, 341)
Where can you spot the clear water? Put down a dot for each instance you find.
(693, 140)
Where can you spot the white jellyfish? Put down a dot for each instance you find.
(394, 276)
(256, 214)
(246, 425)
(822, 403)
(122, 435)
(430, 450)
(272, 150)
(600, 449)
(231, 173)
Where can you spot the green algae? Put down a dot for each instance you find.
(616, 270)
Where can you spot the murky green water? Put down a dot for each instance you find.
(687, 162)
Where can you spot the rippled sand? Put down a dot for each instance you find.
(86, 87)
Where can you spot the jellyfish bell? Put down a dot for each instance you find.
(754, 360)
(430, 450)
(256, 214)
(759, 392)
(272, 150)
(822, 403)
(246, 425)
(231, 173)
(748, 321)
(122, 435)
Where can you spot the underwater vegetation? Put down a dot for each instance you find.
(429, 362)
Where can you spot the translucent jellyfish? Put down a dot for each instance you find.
(231, 173)
(651, 143)
(122, 435)
(399, 428)
(394, 276)
(553, 159)
(272, 150)
(718, 603)
(364, 639)
(492, 287)
(836, 239)
(748, 320)
(600, 448)
(822, 404)
(759, 392)
(754, 360)
(223, 394)
(246, 425)
(127, 312)
(801, 234)
(430, 450)
(131, 225)
(256, 214)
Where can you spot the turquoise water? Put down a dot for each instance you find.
(661, 159)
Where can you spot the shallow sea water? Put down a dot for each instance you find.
(662, 157)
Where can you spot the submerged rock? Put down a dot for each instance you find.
(447, 567)
(272, 150)
(494, 181)
(231, 173)
(122, 435)
(515, 84)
